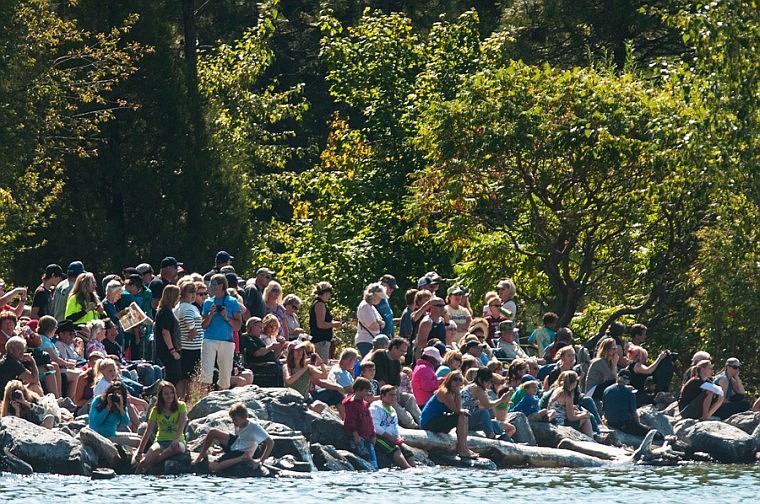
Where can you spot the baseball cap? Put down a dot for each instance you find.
(144, 268)
(389, 280)
(75, 268)
(624, 374)
(264, 271)
(169, 261)
(223, 256)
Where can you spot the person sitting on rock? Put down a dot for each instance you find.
(21, 402)
(18, 365)
(661, 370)
(367, 371)
(528, 404)
(733, 390)
(444, 412)
(620, 406)
(238, 446)
(385, 422)
(170, 416)
(697, 400)
(108, 412)
(480, 407)
(357, 420)
(561, 402)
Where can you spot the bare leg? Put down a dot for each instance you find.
(212, 436)
(182, 390)
(462, 428)
(399, 460)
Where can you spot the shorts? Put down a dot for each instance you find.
(166, 444)
(443, 423)
(388, 448)
(230, 455)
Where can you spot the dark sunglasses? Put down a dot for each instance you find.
(457, 379)
(735, 367)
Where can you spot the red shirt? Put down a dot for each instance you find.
(358, 418)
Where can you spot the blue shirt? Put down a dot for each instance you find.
(384, 309)
(104, 422)
(619, 403)
(218, 329)
(527, 405)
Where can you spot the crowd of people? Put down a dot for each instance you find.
(103, 349)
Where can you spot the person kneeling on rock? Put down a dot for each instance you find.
(385, 421)
(238, 447)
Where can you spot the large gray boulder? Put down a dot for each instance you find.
(108, 453)
(720, 440)
(551, 435)
(327, 458)
(46, 450)
(524, 433)
(654, 419)
(286, 440)
(746, 421)
(280, 405)
(328, 430)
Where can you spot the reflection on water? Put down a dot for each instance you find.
(689, 484)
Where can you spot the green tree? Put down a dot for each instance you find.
(578, 178)
(56, 83)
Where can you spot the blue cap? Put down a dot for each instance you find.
(76, 268)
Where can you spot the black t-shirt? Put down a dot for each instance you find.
(254, 301)
(41, 300)
(386, 369)
(10, 369)
(690, 391)
(165, 319)
(249, 345)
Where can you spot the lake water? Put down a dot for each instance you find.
(702, 483)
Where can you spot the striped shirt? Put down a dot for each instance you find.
(189, 317)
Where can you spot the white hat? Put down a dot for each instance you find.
(432, 352)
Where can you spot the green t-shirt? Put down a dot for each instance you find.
(167, 425)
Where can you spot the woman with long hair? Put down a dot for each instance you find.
(21, 402)
(191, 335)
(300, 375)
(698, 402)
(83, 304)
(562, 402)
(167, 334)
(108, 412)
(169, 416)
(444, 412)
(475, 400)
(603, 369)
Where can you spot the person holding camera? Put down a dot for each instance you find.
(221, 317)
(21, 402)
(109, 412)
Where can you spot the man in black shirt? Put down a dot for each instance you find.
(254, 300)
(43, 295)
(169, 274)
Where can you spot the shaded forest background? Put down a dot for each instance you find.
(603, 154)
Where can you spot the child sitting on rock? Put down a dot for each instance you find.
(357, 422)
(367, 370)
(238, 447)
(528, 405)
(385, 421)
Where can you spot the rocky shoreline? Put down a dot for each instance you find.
(306, 442)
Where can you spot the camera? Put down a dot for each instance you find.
(313, 358)
(114, 397)
(17, 395)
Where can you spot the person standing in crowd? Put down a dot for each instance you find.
(222, 259)
(384, 307)
(321, 323)
(429, 282)
(369, 321)
(114, 289)
(191, 335)
(42, 302)
(221, 316)
(432, 325)
(63, 289)
(543, 337)
(254, 292)
(83, 304)
(168, 275)
(458, 311)
(136, 292)
(166, 329)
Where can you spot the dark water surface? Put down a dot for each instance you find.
(698, 484)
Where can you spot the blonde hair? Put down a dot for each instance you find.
(272, 286)
(102, 364)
